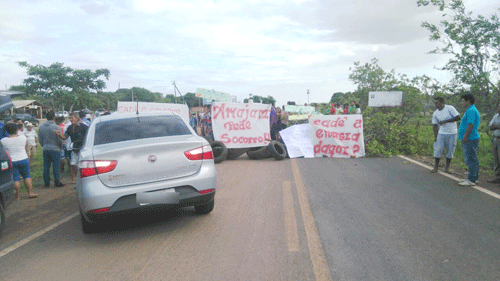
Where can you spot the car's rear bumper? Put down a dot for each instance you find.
(128, 205)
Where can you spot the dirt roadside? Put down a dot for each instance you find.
(27, 216)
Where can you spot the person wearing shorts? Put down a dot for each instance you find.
(76, 131)
(16, 146)
(444, 123)
(32, 138)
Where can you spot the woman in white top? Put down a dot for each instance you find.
(16, 146)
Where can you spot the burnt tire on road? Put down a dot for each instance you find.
(277, 150)
(233, 153)
(220, 151)
(258, 153)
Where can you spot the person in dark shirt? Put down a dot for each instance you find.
(77, 132)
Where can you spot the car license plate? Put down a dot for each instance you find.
(5, 165)
(167, 196)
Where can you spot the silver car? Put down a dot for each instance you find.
(139, 161)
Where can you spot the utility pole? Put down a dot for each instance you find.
(132, 94)
(308, 97)
(176, 90)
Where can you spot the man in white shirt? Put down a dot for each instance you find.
(32, 138)
(444, 123)
(495, 145)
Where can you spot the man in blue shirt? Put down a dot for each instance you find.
(468, 134)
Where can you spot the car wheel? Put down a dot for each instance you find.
(204, 209)
(259, 153)
(277, 150)
(220, 151)
(88, 227)
(233, 153)
(2, 219)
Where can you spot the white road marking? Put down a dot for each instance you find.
(316, 252)
(35, 235)
(476, 187)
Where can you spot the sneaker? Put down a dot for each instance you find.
(59, 184)
(467, 183)
(46, 185)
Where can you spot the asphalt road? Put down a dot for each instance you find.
(300, 219)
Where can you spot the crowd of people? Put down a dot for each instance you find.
(60, 139)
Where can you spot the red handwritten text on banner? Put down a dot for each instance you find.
(337, 136)
(240, 125)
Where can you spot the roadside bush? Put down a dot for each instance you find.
(386, 134)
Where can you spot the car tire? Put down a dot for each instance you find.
(88, 227)
(258, 153)
(233, 153)
(204, 209)
(2, 219)
(277, 150)
(220, 151)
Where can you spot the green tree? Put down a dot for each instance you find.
(474, 44)
(336, 97)
(384, 128)
(61, 86)
(191, 100)
(139, 94)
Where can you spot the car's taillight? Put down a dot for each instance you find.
(102, 210)
(91, 168)
(207, 191)
(200, 153)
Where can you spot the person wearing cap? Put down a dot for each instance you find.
(32, 138)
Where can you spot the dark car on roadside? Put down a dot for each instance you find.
(24, 117)
(6, 185)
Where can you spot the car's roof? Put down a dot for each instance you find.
(117, 116)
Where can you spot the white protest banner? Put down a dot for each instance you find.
(337, 136)
(385, 99)
(240, 125)
(297, 141)
(131, 107)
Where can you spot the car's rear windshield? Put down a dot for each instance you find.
(139, 128)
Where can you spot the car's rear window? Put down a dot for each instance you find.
(139, 128)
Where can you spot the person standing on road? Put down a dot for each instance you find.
(469, 135)
(32, 138)
(51, 144)
(444, 124)
(76, 131)
(16, 146)
(495, 145)
(193, 122)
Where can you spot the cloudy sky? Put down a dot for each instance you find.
(263, 47)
